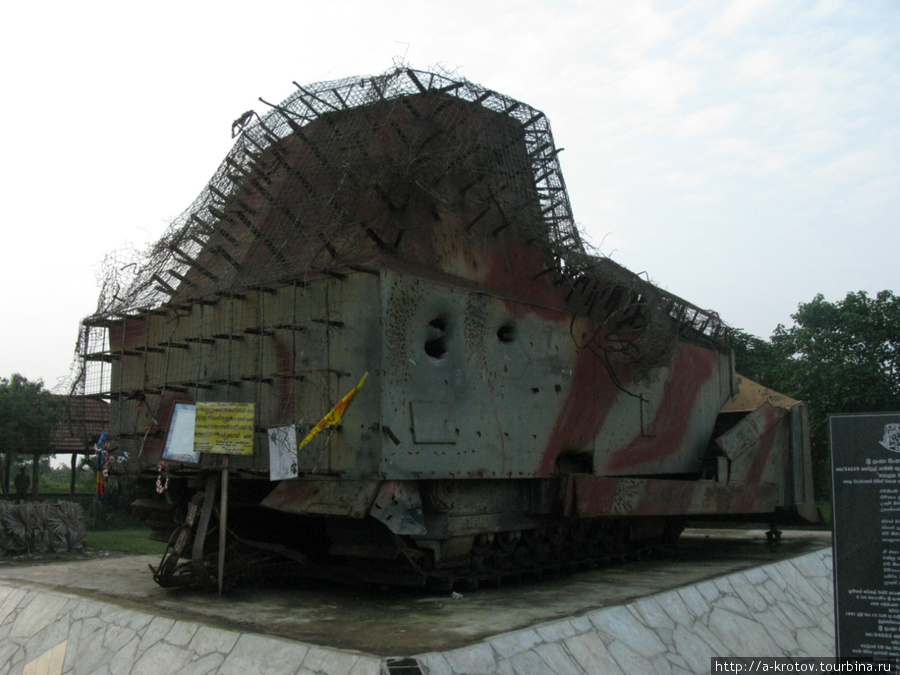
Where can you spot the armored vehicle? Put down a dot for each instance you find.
(511, 402)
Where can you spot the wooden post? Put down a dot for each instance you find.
(35, 476)
(11, 472)
(8, 472)
(223, 522)
(72, 477)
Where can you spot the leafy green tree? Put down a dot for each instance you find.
(839, 357)
(28, 417)
(757, 359)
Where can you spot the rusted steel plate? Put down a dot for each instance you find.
(322, 497)
(399, 506)
(750, 395)
(747, 434)
(594, 496)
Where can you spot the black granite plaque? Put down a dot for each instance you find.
(865, 451)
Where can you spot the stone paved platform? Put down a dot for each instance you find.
(773, 609)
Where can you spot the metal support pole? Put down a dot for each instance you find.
(223, 522)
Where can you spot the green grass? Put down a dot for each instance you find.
(133, 540)
(825, 510)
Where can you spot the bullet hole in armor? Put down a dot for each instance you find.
(436, 338)
(506, 333)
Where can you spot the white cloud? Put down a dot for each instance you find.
(859, 166)
(695, 198)
(826, 8)
(737, 15)
(659, 84)
(695, 49)
(763, 65)
(685, 179)
(633, 28)
(709, 121)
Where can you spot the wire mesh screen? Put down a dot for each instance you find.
(247, 180)
(341, 171)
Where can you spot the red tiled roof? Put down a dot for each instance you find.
(81, 421)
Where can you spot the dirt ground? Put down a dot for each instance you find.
(395, 621)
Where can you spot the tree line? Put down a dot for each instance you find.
(28, 418)
(838, 357)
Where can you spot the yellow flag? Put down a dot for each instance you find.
(335, 414)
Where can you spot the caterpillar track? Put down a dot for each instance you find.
(191, 558)
(529, 554)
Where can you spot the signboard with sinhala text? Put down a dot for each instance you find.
(865, 452)
(224, 428)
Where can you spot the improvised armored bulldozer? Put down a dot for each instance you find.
(527, 405)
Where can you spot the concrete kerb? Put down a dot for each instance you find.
(784, 608)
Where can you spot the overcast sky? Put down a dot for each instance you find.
(744, 154)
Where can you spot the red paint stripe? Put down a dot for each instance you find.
(692, 368)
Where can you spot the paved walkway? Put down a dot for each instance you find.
(783, 608)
